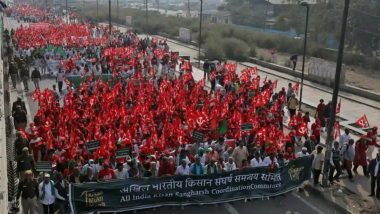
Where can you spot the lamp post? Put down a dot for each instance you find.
(67, 13)
(266, 15)
(304, 4)
(117, 10)
(146, 18)
(109, 22)
(97, 10)
(188, 8)
(200, 34)
(339, 61)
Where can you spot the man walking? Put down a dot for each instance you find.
(36, 77)
(317, 164)
(344, 138)
(13, 73)
(289, 92)
(292, 105)
(348, 154)
(239, 154)
(206, 70)
(24, 162)
(47, 194)
(24, 75)
(28, 190)
(335, 163)
(61, 194)
(294, 59)
(374, 170)
(60, 78)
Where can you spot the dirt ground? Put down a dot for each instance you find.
(355, 76)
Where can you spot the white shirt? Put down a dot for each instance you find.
(228, 167)
(267, 161)
(344, 138)
(182, 170)
(49, 198)
(123, 174)
(318, 160)
(255, 163)
(301, 154)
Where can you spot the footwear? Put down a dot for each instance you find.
(337, 180)
(371, 195)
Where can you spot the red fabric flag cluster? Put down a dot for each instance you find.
(59, 34)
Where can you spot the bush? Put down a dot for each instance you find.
(214, 49)
(252, 50)
(235, 49)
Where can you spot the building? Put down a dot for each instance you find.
(216, 17)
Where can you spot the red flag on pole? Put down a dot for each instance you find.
(296, 87)
(338, 106)
(362, 122)
(336, 130)
(302, 129)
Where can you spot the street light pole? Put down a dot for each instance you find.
(188, 8)
(146, 18)
(117, 10)
(200, 34)
(109, 22)
(330, 129)
(97, 10)
(266, 15)
(304, 4)
(67, 13)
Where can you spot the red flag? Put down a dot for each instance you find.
(36, 94)
(362, 122)
(253, 70)
(186, 66)
(336, 130)
(302, 129)
(296, 87)
(338, 106)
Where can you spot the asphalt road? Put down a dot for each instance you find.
(290, 204)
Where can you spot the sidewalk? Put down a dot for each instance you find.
(348, 196)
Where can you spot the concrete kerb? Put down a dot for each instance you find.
(320, 194)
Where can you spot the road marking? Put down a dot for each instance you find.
(231, 209)
(308, 203)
